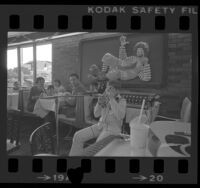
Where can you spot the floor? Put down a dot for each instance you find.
(27, 127)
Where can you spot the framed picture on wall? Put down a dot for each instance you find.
(133, 60)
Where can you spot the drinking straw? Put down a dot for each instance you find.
(141, 111)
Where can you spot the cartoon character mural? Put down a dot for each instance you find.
(128, 68)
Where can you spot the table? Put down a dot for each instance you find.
(46, 104)
(43, 106)
(50, 103)
(121, 148)
(12, 101)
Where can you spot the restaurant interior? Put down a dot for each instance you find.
(161, 92)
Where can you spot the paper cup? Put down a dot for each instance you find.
(138, 138)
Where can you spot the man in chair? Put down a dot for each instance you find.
(67, 106)
(111, 109)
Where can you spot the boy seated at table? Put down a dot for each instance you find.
(68, 104)
(111, 109)
(35, 93)
(50, 90)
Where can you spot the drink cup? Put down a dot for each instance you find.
(138, 136)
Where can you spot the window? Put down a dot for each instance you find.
(27, 66)
(12, 66)
(26, 72)
(44, 62)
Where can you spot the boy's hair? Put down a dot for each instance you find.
(38, 79)
(74, 74)
(16, 82)
(50, 87)
(58, 81)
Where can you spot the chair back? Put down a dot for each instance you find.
(79, 111)
(23, 100)
(153, 112)
(42, 139)
(153, 143)
(87, 102)
(185, 110)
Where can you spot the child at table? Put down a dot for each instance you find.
(50, 90)
(58, 88)
(35, 93)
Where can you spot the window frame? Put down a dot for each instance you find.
(19, 56)
(39, 44)
(12, 48)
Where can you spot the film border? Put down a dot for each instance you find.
(51, 13)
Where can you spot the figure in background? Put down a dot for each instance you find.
(35, 93)
(143, 66)
(67, 106)
(50, 90)
(98, 78)
(122, 48)
(58, 87)
(16, 86)
(76, 88)
(111, 109)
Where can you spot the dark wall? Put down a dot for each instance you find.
(178, 67)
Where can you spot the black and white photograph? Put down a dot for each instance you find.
(101, 94)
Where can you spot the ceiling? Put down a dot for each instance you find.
(17, 34)
(21, 37)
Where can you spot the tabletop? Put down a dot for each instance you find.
(163, 130)
(12, 101)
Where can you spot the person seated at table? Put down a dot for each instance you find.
(58, 87)
(50, 90)
(16, 86)
(76, 88)
(67, 106)
(111, 108)
(35, 93)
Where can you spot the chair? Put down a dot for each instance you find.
(131, 113)
(13, 128)
(23, 101)
(43, 140)
(87, 111)
(77, 122)
(185, 112)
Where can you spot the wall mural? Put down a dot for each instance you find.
(128, 68)
(124, 67)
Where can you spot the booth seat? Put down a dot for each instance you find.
(79, 120)
(87, 111)
(185, 113)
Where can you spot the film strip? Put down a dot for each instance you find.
(105, 19)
